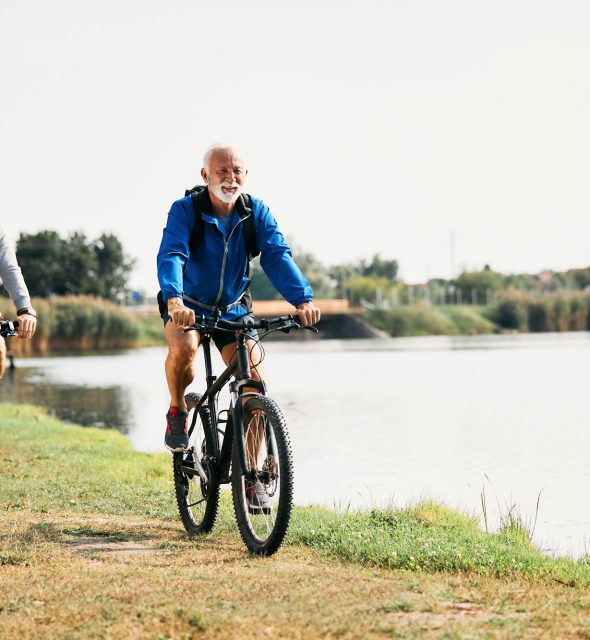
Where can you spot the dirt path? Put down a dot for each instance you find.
(73, 576)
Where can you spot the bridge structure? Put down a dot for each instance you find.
(339, 320)
(268, 308)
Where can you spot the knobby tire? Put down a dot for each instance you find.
(197, 501)
(264, 533)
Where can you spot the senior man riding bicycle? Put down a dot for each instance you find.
(212, 275)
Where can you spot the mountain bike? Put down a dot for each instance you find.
(246, 445)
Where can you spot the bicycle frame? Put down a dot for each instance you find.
(234, 427)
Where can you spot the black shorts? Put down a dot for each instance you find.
(220, 338)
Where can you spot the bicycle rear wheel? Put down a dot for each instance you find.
(196, 481)
(263, 521)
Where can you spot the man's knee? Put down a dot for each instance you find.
(182, 347)
(182, 357)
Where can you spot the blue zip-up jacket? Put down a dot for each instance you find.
(216, 274)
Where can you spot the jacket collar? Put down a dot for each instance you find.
(207, 207)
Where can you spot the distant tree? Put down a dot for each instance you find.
(580, 277)
(478, 283)
(379, 268)
(365, 280)
(55, 266)
(341, 275)
(523, 282)
(368, 288)
(80, 266)
(41, 257)
(112, 266)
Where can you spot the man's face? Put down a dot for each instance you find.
(225, 174)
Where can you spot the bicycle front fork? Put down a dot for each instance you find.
(237, 411)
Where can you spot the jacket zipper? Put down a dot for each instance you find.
(225, 250)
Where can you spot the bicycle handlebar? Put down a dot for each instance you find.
(8, 328)
(279, 323)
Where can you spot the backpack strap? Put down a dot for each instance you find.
(244, 205)
(200, 201)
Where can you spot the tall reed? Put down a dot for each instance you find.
(557, 311)
(76, 323)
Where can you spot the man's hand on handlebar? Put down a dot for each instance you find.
(308, 314)
(180, 315)
(27, 325)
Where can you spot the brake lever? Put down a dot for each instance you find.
(187, 329)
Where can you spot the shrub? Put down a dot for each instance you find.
(538, 317)
(511, 312)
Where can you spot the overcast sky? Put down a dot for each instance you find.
(368, 126)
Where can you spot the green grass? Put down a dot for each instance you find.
(422, 321)
(48, 466)
(469, 320)
(150, 331)
(430, 537)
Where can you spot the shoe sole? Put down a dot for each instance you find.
(175, 449)
(256, 511)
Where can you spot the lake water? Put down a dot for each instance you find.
(375, 422)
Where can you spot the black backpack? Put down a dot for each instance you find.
(201, 202)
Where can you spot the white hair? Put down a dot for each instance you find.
(218, 146)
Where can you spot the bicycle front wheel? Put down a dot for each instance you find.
(263, 500)
(196, 480)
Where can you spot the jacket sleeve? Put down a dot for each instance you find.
(277, 261)
(174, 249)
(12, 277)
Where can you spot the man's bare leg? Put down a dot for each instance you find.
(180, 372)
(180, 362)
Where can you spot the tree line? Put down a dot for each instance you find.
(371, 280)
(76, 265)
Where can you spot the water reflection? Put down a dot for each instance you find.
(79, 404)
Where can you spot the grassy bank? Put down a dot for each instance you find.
(417, 320)
(515, 311)
(84, 515)
(83, 323)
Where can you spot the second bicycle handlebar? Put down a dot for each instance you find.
(8, 328)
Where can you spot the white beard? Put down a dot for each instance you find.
(228, 198)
